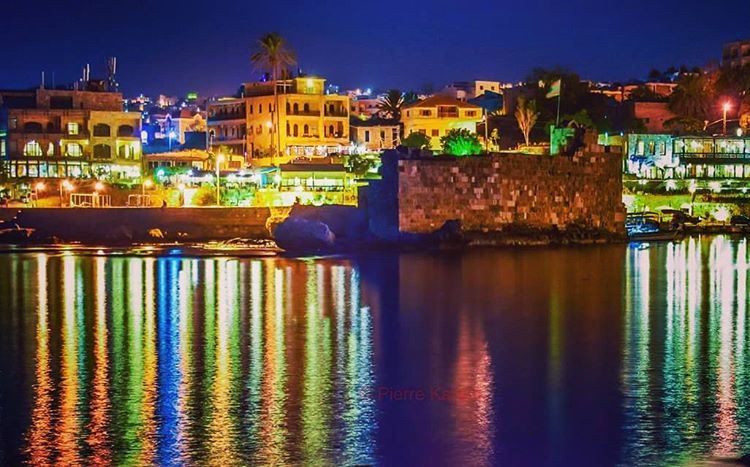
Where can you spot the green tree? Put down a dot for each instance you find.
(461, 142)
(416, 140)
(359, 164)
(526, 116)
(693, 98)
(410, 97)
(733, 84)
(390, 105)
(274, 56)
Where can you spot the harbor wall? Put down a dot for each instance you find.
(140, 224)
(490, 193)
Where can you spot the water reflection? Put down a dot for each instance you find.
(683, 373)
(176, 361)
(599, 356)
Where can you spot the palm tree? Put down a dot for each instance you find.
(391, 104)
(274, 56)
(692, 98)
(526, 115)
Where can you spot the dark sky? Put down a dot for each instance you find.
(174, 47)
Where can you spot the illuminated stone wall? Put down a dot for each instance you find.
(491, 192)
(134, 224)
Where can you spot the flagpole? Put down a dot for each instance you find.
(559, 95)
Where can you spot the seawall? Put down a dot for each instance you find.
(490, 193)
(139, 224)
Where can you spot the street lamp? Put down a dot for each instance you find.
(37, 188)
(219, 160)
(147, 183)
(726, 108)
(67, 186)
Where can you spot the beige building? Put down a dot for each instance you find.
(313, 124)
(736, 53)
(69, 133)
(437, 115)
(374, 134)
(464, 90)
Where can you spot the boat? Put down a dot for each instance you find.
(647, 226)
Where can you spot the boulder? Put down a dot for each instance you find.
(298, 234)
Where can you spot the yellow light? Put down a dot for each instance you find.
(99, 186)
(67, 185)
(269, 124)
(220, 159)
(727, 106)
(39, 186)
(148, 183)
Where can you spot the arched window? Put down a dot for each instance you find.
(125, 130)
(305, 130)
(32, 148)
(32, 127)
(306, 108)
(296, 108)
(288, 129)
(102, 151)
(287, 107)
(102, 129)
(50, 127)
(296, 130)
(330, 130)
(73, 150)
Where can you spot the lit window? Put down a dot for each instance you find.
(73, 150)
(435, 132)
(32, 148)
(72, 128)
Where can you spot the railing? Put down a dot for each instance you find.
(447, 114)
(302, 113)
(227, 116)
(336, 113)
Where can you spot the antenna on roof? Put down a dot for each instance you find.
(42, 85)
(111, 72)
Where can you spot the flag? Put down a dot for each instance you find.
(554, 89)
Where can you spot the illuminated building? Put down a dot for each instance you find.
(736, 54)
(465, 90)
(365, 105)
(437, 115)
(313, 124)
(227, 124)
(374, 134)
(69, 133)
(660, 156)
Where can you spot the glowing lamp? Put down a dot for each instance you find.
(39, 186)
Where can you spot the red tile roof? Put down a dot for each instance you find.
(440, 99)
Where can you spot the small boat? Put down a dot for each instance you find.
(647, 226)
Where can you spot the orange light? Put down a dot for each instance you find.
(39, 186)
(99, 186)
(727, 106)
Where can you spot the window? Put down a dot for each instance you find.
(296, 129)
(296, 108)
(102, 151)
(260, 108)
(251, 108)
(471, 113)
(13, 123)
(306, 130)
(126, 151)
(72, 128)
(425, 113)
(32, 127)
(101, 129)
(73, 150)
(306, 108)
(32, 148)
(367, 136)
(125, 130)
(435, 132)
(50, 150)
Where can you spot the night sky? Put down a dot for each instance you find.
(175, 47)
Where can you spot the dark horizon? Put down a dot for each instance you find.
(163, 50)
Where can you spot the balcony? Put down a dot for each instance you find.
(447, 114)
(336, 113)
(220, 117)
(304, 113)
